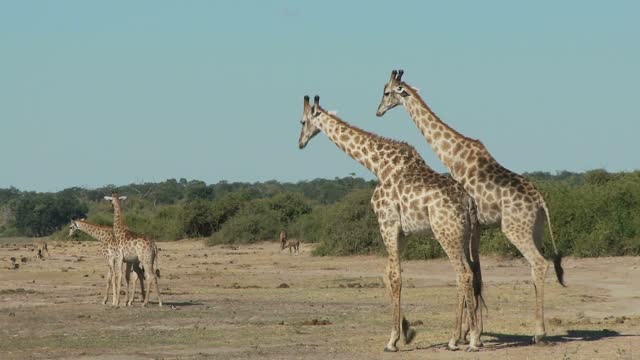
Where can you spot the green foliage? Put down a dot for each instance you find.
(593, 214)
(255, 222)
(597, 218)
(345, 228)
(261, 219)
(42, 214)
(422, 247)
(198, 218)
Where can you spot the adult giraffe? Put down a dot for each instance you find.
(131, 247)
(503, 197)
(410, 198)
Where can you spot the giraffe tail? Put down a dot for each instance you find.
(156, 258)
(557, 257)
(474, 251)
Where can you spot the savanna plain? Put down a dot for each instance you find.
(256, 302)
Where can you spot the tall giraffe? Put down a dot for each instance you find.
(131, 247)
(410, 198)
(108, 248)
(503, 197)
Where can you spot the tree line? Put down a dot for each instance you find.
(594, 213)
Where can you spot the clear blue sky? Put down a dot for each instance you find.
(114, 92)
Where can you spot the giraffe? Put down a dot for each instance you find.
(503, 197)
(409, 198)
(283, 239)
(109, 249)
(131, 247)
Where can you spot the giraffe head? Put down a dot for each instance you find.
(309, 129)
(114, 198)
(394, 90)
(73, 227)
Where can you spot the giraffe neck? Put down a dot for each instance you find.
(100, 233)
(119, 228)
(455, 151)
(381, 156)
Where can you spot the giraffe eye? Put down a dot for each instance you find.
(386, 93)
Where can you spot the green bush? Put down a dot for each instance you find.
(254, 222)
(349, 227)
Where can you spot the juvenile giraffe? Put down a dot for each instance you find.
(131, 247)
(503, 197)
(409, 198)
(109, 250)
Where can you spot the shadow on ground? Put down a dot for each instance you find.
(494, 341)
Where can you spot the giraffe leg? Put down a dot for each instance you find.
(114, 279)
(393, 281)
(109, 281)
(150, 274)
(473, 259)
(118, 283)
(466, 300)
(527, 241)
(127, 279)
(138, 275)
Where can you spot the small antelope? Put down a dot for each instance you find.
(42, 247)
(295, 244)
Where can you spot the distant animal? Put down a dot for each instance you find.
(283, 239)
(109, 249)
(42, 247)
(131, 246)
(295, 244)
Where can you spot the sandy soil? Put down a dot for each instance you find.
(227, 302)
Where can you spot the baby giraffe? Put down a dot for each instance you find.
(410, 198)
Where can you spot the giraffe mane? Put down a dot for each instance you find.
(414, 92)
(390, 141)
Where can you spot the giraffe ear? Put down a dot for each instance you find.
(122, 198)
(400, 90)
(108, 198)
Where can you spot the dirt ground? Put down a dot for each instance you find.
(230, 303)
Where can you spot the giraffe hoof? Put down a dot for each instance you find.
(538, 340)
(472, 349)
(394, 349)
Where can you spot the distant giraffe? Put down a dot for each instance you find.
(109, 250)
(295, 244)
(130, 246)
(503, 197)
(283, 239)
(42, 247)
(410, 197)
